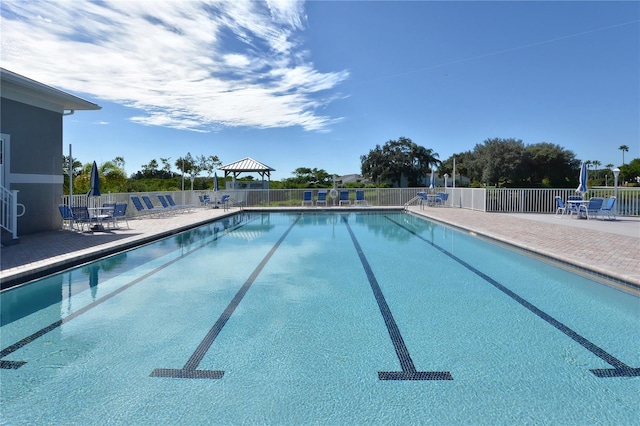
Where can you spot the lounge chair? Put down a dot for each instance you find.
(139, 207)
(344, 198)
(307, 198)
(173, 204)
(166, 205)
(322, 197)
(360, 198)
(608, 210)
(142, 211)
(153, 209)
(591, 209)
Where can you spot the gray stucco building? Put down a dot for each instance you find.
(31, 120)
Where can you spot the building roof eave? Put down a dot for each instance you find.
(25, 90)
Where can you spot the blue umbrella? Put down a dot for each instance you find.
(95, 182)
(215, 182)
(432, 183)
(582, 188)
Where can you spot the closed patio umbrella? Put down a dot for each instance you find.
(582, 187)
(215, 182)
(432, 183)
(95, 187)
(95, 182)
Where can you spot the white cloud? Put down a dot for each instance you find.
(182, 64)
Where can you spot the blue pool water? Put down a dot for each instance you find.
(317, 318)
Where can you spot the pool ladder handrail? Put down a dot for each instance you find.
(236, 203)
(411, 201)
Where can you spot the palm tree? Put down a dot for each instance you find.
(623, 148)
(596, 163)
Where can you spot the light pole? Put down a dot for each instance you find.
(616, 172)
(183, 181)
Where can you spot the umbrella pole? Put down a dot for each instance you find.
(70, 178)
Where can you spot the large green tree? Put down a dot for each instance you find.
(498, 162)
(189, 166)
(398, 158)
(630, 173)
(209, 164)
(550, 165)
(306, 177)
(462, 159)
(113, 178)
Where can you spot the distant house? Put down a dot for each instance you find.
(31, 147)
(352, 178)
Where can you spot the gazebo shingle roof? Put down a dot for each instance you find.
(246, 165)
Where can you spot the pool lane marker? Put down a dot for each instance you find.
(190, 371)
(620, 369)
(409, 371)
(13, 365)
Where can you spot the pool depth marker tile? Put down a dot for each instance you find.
(189, 371)
(409, 371)
(620, 369)
(13, 365)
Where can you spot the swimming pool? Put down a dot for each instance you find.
(340, 318)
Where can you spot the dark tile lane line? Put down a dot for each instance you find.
(620, 369)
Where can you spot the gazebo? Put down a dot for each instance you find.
(247, 165)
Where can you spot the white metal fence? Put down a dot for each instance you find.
(481, 199)
(543, 200)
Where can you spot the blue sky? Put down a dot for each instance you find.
(320, 83)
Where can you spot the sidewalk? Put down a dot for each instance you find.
(609, 248)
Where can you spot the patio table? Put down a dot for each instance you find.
(576, 206)
(99, 214)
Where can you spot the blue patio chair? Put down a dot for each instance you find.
(360, 200)
(307, 198)
(440, 199)
(67, 216)
(120, 213)
(224, 202)
(560, 207)
(608, 210)
(322, 197)
(107, 212)
(344, 198)
(424, 198)
(591, 209)
(81, 217)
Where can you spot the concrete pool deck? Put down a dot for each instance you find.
(609, 248)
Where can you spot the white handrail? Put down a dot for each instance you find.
(9, 211)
